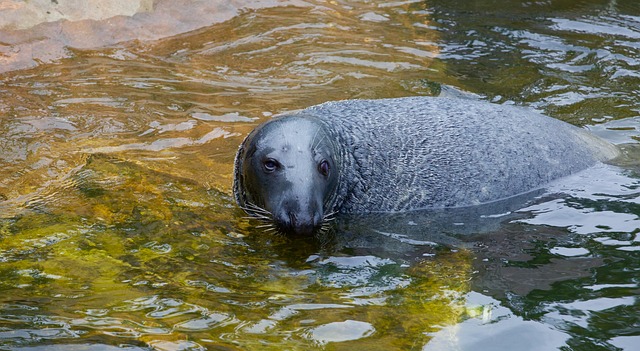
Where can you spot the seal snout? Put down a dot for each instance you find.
(297, 222)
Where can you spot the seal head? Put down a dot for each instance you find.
(286, 173)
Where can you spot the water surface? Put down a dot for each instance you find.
(118, 229)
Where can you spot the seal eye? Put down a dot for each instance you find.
(270, 165)
(323, 168)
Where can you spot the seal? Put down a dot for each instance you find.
(298, 170)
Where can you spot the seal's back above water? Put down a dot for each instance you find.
(391, 155)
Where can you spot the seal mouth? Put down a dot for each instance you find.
(291, 226)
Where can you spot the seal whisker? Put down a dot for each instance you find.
(255, 208)
(328, 221)
(318, 143)
(313, 140)
(329, 216)
(261, 214)
(255, 215)
(252, 205)
(258, 217)
(257, 212)
(268, 225)
(323, 233)
(325, 226)
(247, 209)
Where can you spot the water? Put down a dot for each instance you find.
(118, 229)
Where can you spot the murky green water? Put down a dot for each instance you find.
(118, 229)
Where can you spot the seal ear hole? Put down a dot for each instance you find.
(324, 168)
(270, 165)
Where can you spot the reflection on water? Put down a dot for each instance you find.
(118, 229)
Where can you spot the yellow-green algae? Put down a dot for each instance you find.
(143, 256)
